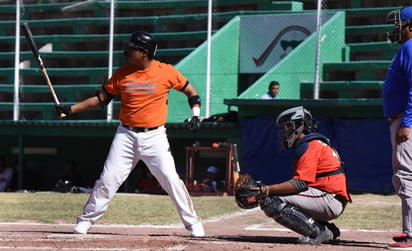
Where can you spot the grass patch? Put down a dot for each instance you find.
(130, 209)
(368, 211)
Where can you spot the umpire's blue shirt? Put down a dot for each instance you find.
(397, 89)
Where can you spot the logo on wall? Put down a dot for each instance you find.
(287, 39)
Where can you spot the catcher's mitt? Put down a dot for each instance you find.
(248, 192)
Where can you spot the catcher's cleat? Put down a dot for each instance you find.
(82, 227)
(332, 227)
(324, 236)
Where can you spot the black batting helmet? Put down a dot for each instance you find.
(143, 40)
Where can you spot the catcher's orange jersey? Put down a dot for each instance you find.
(321, 158)
(144, 93)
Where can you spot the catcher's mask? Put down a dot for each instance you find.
(399, 18)
(144, 41)
(291, 123)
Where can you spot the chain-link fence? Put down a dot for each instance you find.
(253, 43)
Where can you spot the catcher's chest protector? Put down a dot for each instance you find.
(300, 146)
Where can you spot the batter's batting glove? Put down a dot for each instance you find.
(193, 124)
(65, 109)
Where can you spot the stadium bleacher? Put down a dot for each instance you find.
(76, 32)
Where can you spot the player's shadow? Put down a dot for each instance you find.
(260, 239)
(293, 240)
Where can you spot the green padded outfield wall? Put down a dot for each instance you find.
(298, 65)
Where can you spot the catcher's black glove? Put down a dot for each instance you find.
(193, 124)
(248, 192)
(65, 109)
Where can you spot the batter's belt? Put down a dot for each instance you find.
(139, 129)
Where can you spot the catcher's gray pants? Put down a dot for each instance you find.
(315, 203)
(402, 175)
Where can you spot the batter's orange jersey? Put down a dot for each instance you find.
(321, 158)
(144, 93)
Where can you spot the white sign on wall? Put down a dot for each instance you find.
(265, 40)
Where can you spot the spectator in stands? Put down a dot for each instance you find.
(211, 184)
(397, 107)
(6, 174)
(273, 91)
(70, 179)
(14, 182)
(147, 183)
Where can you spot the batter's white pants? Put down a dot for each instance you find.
(127, 149)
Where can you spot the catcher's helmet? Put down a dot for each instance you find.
(291, 123)
(399, 18)
(143, 40)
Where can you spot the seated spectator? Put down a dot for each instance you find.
(6, 174)
(273, 91)
(212, 184)
(70, 179)
(147, 183)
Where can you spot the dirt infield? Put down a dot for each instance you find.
(234, 232)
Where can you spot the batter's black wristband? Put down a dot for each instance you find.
(194, 100)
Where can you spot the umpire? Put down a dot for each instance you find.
(397, 108)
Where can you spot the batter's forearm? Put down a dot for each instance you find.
(85, 105)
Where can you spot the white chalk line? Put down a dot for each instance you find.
(253, 227)
(263, 227)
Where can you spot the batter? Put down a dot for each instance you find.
(143, 85)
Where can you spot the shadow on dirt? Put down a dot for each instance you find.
(292, 240)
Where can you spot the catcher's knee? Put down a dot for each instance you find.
(289, 216)
(272, 206)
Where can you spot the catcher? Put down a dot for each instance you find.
(317, 191)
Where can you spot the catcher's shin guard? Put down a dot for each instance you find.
(290, 217)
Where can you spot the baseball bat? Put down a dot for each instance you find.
(235, 163)
(32, 44)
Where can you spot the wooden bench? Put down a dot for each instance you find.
(84, 75)
(86, 57)
(46, 110)
(58, 39)
(362, 29)
(82, 25)
(343, 89)
(174, 7)
(376, 50)
(355, 70)
(69, 91)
